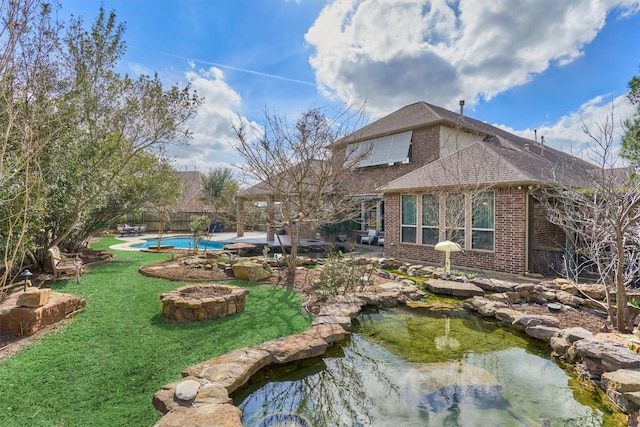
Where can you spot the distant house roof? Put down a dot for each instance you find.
(191, 184)
(489, 163)
(288, 180)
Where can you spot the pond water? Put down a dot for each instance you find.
(180, 242)
(403, 368)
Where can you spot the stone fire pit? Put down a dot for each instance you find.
(203, 302)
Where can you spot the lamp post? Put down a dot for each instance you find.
(27, 275)
(447, 247)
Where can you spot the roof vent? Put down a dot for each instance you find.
(526, 147)
(542, 145)
(462, 107)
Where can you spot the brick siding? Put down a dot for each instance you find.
(510, 245)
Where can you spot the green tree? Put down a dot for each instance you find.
(631, 138)
(115, 122)
(32, 114)
(219, 190)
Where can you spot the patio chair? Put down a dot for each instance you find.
(370, 238)
(381, 241)
(62, 263)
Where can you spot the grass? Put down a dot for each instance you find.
(103, 368)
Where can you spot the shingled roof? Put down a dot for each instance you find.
(422, 114)
(489, 163)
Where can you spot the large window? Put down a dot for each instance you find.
(482, 221)
(430, 219)
(409, 218)
(468, 220)
(384, 150)
(454, 220)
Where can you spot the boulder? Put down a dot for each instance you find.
(28, 320)
(329, 332)
(220, 415)
(187, 389)
(508, 316)
(540, 332)
(603, 355)
(448, 287)
(295, 347)
(34, 297)
(250, 271)
(231, 370)
(529, 320)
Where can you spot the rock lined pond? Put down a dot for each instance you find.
(403, 368)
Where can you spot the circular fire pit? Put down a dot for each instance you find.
(203, 302)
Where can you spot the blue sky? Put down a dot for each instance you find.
(546, 64)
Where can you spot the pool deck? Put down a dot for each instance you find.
(253, 238)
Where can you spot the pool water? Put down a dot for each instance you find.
(401, 368)
(180, 242)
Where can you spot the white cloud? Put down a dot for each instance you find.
(568, 135)
(392, 53)
(212, 133)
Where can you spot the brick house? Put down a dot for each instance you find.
(438, 175)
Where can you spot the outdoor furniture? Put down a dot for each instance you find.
(62, 263)
(381, 241)
(370, 238)
(141, 229)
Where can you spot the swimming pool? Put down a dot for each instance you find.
(180, 242)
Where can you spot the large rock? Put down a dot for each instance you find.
(295, 347)
(603, 355)
(540, 332)
(34, 297)
(250, 271)
(165, 399)
(231, 370)
(449, 287)
(529, 320)
(219, 415)
(28, 320)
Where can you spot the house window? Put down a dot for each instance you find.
(384, 150)
(409, 218)
(454, 220)
(482, 221)
(430, 219)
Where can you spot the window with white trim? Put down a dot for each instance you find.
(409, 215)
(430, 219)
(454, 219)
(483, 221)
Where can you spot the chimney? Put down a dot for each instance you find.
(535, 134)
(542, 145)
(462, 107)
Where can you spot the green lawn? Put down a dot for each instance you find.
(104, 367)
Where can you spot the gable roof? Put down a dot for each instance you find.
(422, 114)
(288, 180)
(489, 163)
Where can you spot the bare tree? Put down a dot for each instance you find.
(600, 219)
(298, 171)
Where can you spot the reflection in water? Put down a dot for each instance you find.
(398, 369)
